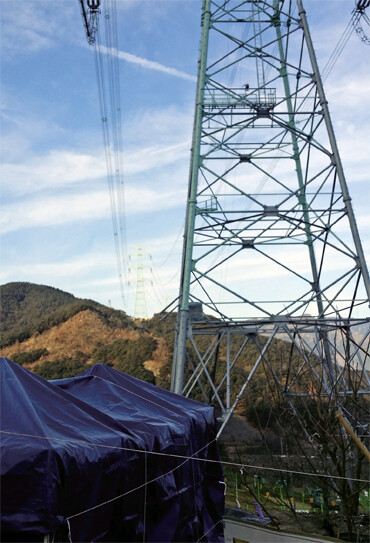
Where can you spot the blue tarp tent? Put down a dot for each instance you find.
(106, 457)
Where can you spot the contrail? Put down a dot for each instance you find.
(149, 64)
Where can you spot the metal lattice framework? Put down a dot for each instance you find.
(271, 246)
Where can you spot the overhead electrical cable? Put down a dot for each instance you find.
(338, 49)
(109, 95)
(113, 66)
(239, 465)
(99, 67)
(336, 53)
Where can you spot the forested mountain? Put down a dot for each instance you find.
(56, 335)
(26, 308)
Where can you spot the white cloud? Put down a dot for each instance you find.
(153, 138)
(86, 206)
(32, 26)
(60, 168)
(156, 156)
(57, 168)
(54, 210)
(165, 126)
(22, 25)
(88, 264)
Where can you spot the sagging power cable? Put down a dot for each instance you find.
(109, 94)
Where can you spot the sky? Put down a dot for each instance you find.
(56, 221)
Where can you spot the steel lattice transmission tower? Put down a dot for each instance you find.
(140, 308)
(271, 246)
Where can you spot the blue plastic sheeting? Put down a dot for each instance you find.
(94, 438)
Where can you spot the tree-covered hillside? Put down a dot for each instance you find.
(26, 308)
(57, 335)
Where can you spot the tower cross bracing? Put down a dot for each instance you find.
(271, 245)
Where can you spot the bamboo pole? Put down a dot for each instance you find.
(359, 443)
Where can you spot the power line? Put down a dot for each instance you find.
(239, 465)
(338, 49)
(109, 96)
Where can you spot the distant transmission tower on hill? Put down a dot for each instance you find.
(271, 245)
(140, 308)
(149, 291)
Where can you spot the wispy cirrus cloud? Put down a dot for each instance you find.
(33, 26)
(62, 168)
(84, 206)
(153, 138)
(77, 266)
(55, 169)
